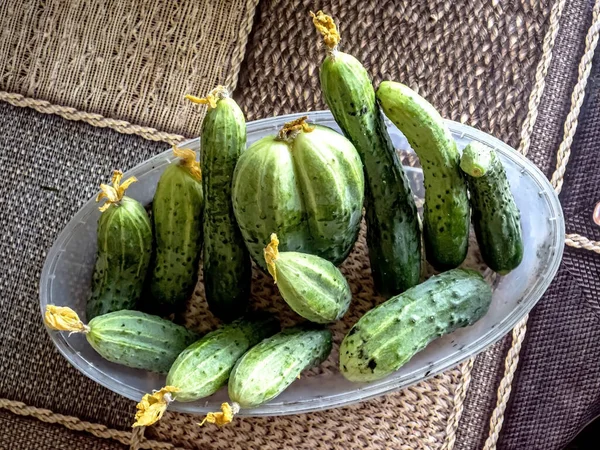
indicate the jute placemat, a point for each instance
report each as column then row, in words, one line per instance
column 129, row 60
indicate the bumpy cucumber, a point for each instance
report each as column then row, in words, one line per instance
column 267, row 369
column 138, row 340
column 496, row 218
column 227, row 265
column 306, row 185
column 177, row 215
column 389, row 335
column 124, row 250
column 393, row 235
column 312, row 286
column 446, row 215
column 204, row 367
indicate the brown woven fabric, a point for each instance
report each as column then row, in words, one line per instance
column 131, row 60
column 24, row 433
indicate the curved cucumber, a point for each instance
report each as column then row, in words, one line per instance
column 393, row 235
column 496, row 218
column 446, row 215
column 138, row 340
column 312, row 286
column 177, row 215
column 204, row 367
column 124, row 250
column 267, row 369
column 227, row 265
column 389, row 335
column 306, row 185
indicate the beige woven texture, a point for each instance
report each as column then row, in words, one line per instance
column 129, row 60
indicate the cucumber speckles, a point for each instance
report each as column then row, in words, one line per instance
column 496, row 218
column 446, row 213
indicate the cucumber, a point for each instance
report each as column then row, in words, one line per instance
column 124, row 249
column 313, row 287
column 306, row 185
column 496, row 218
column 227, row 266
column 393, row 235
column 446, row 217
column 267, row 369
column 130, row 338
column 204, row 367
column 177, row 215
column 389, row 335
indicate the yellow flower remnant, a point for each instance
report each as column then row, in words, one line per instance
column 224, row 417
column 212, row 98
column 114, row 194
column 188, row 160
column 291, row 129
column 62, row 318
column 153, row 406
column 271, row 255
column 326, row 26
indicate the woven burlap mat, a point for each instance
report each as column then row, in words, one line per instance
column 130, row 60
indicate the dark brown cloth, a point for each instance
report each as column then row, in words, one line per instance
column 557, row 389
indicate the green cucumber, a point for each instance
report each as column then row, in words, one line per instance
column 177, row 215
column 306, row 185
column 124, row 250
column 389, row 335
column 204, row 367
column 393, row 235
column 130, row 338
column 496, row 218
column 312, row 286
column 227, row 266
column 267, row 369
column 446, row 217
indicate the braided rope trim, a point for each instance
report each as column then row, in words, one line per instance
column 76, row 424
column 563, row 154
column 93, row 119
column 459, row 402
column 578, row 241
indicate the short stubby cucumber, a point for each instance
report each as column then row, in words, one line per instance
column 393, row 235
column 389, row 335
column 306, row 185
column 312, row 286
column 124, row 250
column 177, row 214
column 267, row 369
column 446, row 218
column 496, row 218
column 204, row 367
column 226, row 262
column 130, row 338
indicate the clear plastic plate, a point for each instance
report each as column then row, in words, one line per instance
column 67, row 272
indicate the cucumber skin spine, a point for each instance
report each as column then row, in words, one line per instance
column 312, row 286
column 446, row 218
column 124, row 251
column 177, row 216
column 496, row 218
column 393, row 235
column 389, row 335
column 204, row 367
column 227, row 266
column 268, row 368
column 138, row 340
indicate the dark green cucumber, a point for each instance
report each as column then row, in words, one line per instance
column 312, row 286
column 496, row 218
column 393, row 235
column 267, row 369
column 446, row 216
column 204, row 367
column 389, row 335
column 138, row 340
column 177, row 214
column 124, row 250
column 227, row 265
column 306, row 185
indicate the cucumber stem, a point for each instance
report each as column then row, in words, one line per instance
column 212, row 98
column 476, row 159
column 62, row 318
column 114, row 194
column 223, row 417
column 152, row 406
column 326, row 26
column 271, row 254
